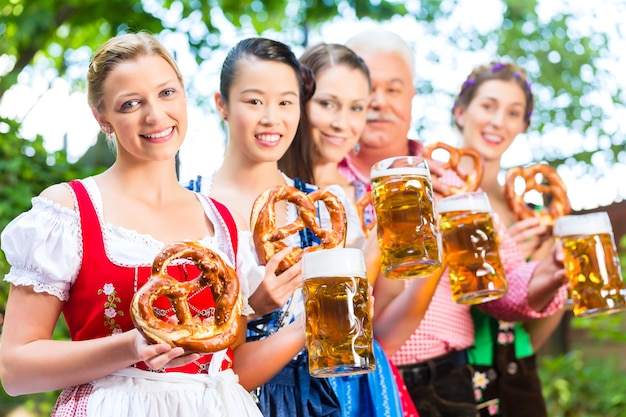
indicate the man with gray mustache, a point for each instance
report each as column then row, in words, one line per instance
column 392, row 69
column 389, row 114
column 433, row 360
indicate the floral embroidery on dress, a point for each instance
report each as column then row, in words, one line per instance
column 480, row 381
column 110, row 308
column 494, row 409
column 506, row 334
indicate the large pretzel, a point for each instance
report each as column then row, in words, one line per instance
column 549, row 184
column 471, row 180
column 268, row 239
column 191, row 333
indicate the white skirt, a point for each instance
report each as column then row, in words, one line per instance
column 133, row 392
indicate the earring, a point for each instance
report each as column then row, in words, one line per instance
column 356, row 149
column 108, row 131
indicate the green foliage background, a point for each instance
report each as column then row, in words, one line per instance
column 27, row 168
column 575, row 386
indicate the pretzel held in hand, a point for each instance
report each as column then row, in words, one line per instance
column 471, row 180
column 552, row 189
column 191, row 333
column 268, row 239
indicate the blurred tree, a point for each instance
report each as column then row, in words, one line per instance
column 50, row 30
column 561, row 57
column 46, row 30
column 568, row 56
column 576, row 88
column 566, row 64
column 27, row 168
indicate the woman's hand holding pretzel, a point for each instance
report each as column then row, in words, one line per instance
column 470, row 179
column 546, row 181
column 269, row 239
column 437, row 171
column 529, row 235
column 275, row 289
column 161, row 355
column 192, row 333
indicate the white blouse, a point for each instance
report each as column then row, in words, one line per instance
column 44, row 246
column 355, row 238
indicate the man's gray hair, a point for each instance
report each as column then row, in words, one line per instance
column 382, row 40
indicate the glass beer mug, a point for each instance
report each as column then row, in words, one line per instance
column 470, row 246
column 403, row 201
column 339, row 331
column 591, row 263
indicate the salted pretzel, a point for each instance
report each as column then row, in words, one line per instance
column 471, row 180
column 191, row 333
column 268, row 239
column 543, row 179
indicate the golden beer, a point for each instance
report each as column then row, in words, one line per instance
column 403, row 201
column 591, row 263
column 339, row 332
column 470, row 245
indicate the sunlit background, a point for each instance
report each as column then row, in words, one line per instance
column 61, row 115
column 574, row 51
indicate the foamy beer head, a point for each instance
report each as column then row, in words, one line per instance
column 403, row 201
column 471, row 248
column 339, row 334
column 592, row 263
column 475, row 201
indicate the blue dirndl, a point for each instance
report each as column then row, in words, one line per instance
column 293, row 392
column 373, row 394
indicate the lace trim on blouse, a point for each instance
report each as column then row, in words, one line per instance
column 112, row 232
column 44, row 245
column 21, row 244
column 33, row 277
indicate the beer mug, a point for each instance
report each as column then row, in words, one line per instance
column 339, row 332
column 591, row 263
column 406, row 223
column 470, row 246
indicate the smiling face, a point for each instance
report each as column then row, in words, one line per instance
column 263, row 110
column 337, row 112
column 144, row 103
column 389, row 113
column 494, row 117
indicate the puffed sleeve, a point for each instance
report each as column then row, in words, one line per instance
column 43, row 247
